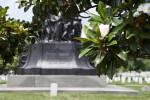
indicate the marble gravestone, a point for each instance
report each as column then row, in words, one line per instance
column 55, row 59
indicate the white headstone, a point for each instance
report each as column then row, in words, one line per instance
column 140, row 80
column 136, row 79
column 107, row 79
column 148, row 80
column 145, row 79
column 118, row 78
column 115, row 79
column 129, row 79
column 123, row 79
column 53, row 91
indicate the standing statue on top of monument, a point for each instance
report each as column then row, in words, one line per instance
column 77, row 26
column 58, row 29
column 67, row 31
column 49, row 27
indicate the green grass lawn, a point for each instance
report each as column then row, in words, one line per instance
column 3, row 82
column 69, row 96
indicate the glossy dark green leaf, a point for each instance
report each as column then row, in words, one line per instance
column 120, row 53
column 130, row 32
column 92, row 24
column 102, row 10
column 83, row 52
column 96, row 17
column 98, row 31
column 133, row 43
column 112, row 43
column 119, row 27
column 114, row 12
column 87, row 44
column 92, row 36
column 115, row 31
column 108, row 21
column 131, row 18
column 145, row 35
column 101, row 68
column 85, row 29
column 81, row 39
column 116, row 21
column 147, row 26
column 26, row 8
column 111, row 70
column 99, row 59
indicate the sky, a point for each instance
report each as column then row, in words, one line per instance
column 16, row 13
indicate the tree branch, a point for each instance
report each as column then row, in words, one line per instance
column 87, row 9
column 84, row 16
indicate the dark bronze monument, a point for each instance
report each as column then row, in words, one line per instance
column 57, row 52
column 55, row 59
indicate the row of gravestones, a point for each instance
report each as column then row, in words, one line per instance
column 3, row 77
column 123, row 79
column 133, row 74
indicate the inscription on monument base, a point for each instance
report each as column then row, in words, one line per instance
column 58, row 56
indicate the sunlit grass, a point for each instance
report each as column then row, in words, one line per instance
column 78, row 96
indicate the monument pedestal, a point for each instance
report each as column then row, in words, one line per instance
column 76, row 81
column 55, row 62
column 54, row 58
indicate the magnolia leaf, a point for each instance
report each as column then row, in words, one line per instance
column 81, row 39
column 92, row 35
column 120, row 53
column 26, row 8
column 96, row 17
column 99, row 59
column 115, row 31
column 133, row 43
column 108, row 21
column 101, row 68
column 119, row 27
column 116, row 21
column 147, row 26
column 93, row 22
column 111, row 35
column 130, row 32
column 115, row 11
column 87, row 44
column 102, row 10
column 85, row 29
column 98, row 31
column 145, row 35
column 111, row 68
column 83, row 52
column 112, row 43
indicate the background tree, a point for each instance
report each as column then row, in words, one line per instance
column 14, row 37
column 4, row 69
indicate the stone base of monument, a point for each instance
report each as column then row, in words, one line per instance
column 109, row 89
column 62, row 81
column 54, row 58
column 66, row 84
